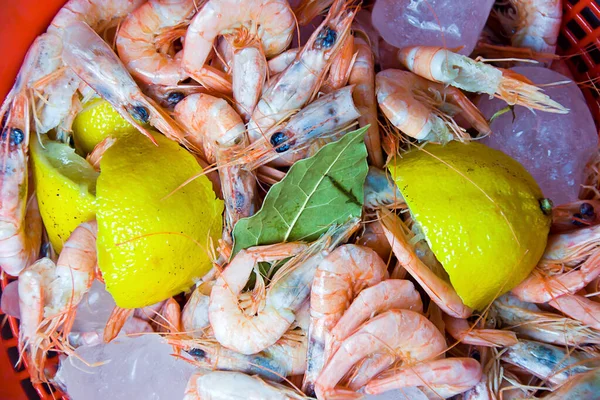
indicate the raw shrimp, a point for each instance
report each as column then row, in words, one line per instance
column 249, row 70
column 576, row 214
column 534, row 24
column 423, row 109
column 443, row 66
column 460, row 330
column 540, row 287
column 194, row 317
column 338, row 279
column 281, row 62
column 20, row 221
column 271, row 20
column 363, row 77
column 368, row 368
column 144, row 39
column 403, row 333
column 374, row 238
column 547, row 362
column 445, row 378
column 57, row 290
column 580, row 308
column 98, row 66
column 222, row 385
column 566, row 248
column 297, row 85
column 215, row 126
column 585, row 386
column 98, row 14
column 381, row 191
column 286, row 294
column 284, row 358
column 527, row 320
column 440, row 291
column 286, row 143
column 386, row 295
column 341, row 66
column 169, row 317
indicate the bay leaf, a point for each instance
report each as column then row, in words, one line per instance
column 316, row 193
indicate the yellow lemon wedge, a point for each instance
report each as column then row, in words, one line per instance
column 153, row 241
column 66, row 188
column 482, row 214
column 96, row 121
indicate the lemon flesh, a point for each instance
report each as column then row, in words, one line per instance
column 480, row 212
column 152, row 246
column 66, row 188
column 96, row 121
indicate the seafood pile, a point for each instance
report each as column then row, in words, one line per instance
column 321, row 282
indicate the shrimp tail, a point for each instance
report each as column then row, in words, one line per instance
column 516, row 89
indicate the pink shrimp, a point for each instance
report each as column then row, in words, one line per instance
column 249, row 70
column 440, row 291
column 341, row 66
column 298, row 84
column 340, row 276
column 362, row 76
column 374, row 238
column 403, row 333
column 578, row 307
column 460, row 330
column 570, row 216
column 540, row 287
column 57, row 290
column 440, row 65
column 445, row 378
column 139, row 36
column 272, row 20
column 424, row 110
column 571, row 247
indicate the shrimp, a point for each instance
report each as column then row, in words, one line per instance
column 20, row 220
column 140, row 35
column 368, row 368
column 383, row 296
column 381, row 191
column 57, row 292
column 570, row 247
column 282, row 61
column 271, row 20
column 443, row 66
column 341, row 66
column 194, row 317
column 424, row 110
column 338, row 279
column 284, row 358
column 547, row 362
column 534, row 24
column 445, row 378
column 585, row 386
column 288, row 290
column 215, row 126
column 98, row 66
column 374, row 238
column 539, row 287
column 362, row 76
column 249, row 72
column 169, row 317
column 297, row 85
column 217, row 385
column 307, row 10
column 403, row 333
column 286, row 143
column 440, row 291
column 460, row 330
column 580, row 308
column 527, row 320
column 570, row 216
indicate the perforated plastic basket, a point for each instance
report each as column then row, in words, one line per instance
column 22, row 20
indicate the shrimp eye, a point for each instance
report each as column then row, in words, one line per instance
column 277, row 139
column 16, row 136
column 587, row 210
column 197, row 353
column 175, row 97
column 326, row 38
column 140, row 113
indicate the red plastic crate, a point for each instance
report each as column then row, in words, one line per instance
column 21, row 21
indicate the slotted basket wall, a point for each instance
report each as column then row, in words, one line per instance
column 21, row 21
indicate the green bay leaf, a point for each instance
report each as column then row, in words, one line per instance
column 316, row 193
